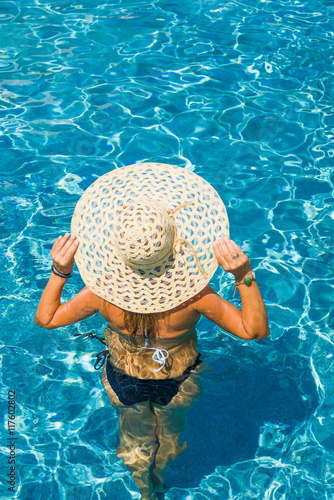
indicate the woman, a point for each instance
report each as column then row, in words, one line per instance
column 147, row 239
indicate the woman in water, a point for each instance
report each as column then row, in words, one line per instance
column 147, row 239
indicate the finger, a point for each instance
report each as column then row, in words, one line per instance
column 57, row 246
column 233, row 248
column 56, row 243
column 222, row 247
column 225, row 258
column 73, row 248
column 226, row 247
column 236, row 250
column 67, row 244
column 69, row 250
column 220, row 256
column 217, row 251
column 60, row 242
column 64, row 263
column 242, row 258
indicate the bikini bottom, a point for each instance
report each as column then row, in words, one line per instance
column 131, row 390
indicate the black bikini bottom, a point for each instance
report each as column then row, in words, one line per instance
column 131, row 390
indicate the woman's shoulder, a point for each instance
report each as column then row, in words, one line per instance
column 205, row 300
column 86, row 295
column 172, row 322
column 204, row 295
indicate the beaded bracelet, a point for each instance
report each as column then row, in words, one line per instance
column 58, row 273
column 246, row 280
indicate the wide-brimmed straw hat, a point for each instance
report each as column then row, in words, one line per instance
column 146, row 234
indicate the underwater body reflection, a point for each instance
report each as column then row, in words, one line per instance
column 245, row 405
column 151, row 411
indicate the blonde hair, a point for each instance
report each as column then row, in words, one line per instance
column 139, row 322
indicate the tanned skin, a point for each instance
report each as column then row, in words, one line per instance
column 248, row 323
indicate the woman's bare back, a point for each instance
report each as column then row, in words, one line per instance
column 169, row 324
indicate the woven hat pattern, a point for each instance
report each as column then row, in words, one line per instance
column 146, row 234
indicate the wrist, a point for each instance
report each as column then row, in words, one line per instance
column 59, row 273
column 246, row 279
column 241, row 273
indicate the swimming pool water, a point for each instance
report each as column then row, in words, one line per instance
column 242, row 93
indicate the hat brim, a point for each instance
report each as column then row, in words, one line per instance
column 200, row 222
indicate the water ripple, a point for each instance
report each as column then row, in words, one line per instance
column 242, row 94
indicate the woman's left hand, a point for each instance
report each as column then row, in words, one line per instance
column 63, row 252
column 231, row 257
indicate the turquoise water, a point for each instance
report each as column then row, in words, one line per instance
column 241, row 93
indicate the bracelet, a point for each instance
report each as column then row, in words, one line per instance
column 246, row 280
column 58, row 273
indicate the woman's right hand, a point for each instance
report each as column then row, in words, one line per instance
column 63, row 252
column 231, row 257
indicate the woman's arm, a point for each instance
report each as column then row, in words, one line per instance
column 50, row 312
column 249, row 323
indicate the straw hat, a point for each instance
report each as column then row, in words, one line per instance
column 146, row 234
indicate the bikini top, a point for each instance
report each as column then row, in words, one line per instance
column 152, row 357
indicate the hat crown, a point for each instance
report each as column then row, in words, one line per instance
column 112, row 253
column 144, row 234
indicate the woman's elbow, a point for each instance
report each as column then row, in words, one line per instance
column 256, row 330
column 258, row 334
column 40, row 323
